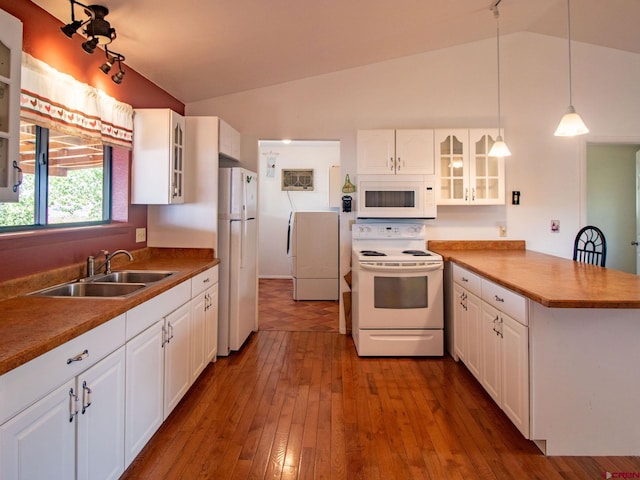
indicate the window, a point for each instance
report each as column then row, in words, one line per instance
column 66, row 181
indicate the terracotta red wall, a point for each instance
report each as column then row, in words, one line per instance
column 43, row 39
column 32, row 252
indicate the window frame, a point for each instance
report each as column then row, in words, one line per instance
column 41, row 189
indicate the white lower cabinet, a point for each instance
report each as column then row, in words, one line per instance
column 204, row 320
column 491, row 337
column 145, row 384
column 85, row 409
column 79, row 427
column 177, row 358
column 468, row 329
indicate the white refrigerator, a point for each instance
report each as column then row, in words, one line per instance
column 313, row 247
column 237, row 250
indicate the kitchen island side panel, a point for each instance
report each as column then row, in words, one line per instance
column 585, row 384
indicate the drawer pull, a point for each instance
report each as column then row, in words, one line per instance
column 78, row 358
column 206, row 280
column 498, row 299
column 465, row 279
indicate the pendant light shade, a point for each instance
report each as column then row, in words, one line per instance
column 499, row 148
column 571, row 123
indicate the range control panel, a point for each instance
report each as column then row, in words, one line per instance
column 372, row 231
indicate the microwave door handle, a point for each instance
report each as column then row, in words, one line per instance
column 404, row 268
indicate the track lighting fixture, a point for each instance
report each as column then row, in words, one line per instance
column 99, row 33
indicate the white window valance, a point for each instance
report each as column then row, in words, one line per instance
column 56, row 100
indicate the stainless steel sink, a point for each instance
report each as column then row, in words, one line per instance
column 90, row 289
column 133, row 276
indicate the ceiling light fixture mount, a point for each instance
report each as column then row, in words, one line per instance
column 99, row 32
column 499, row 148
column 571, row 123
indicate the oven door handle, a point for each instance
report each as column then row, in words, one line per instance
column 400, row 269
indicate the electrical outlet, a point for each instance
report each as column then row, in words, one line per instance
column 141, row 235
column 555, row 226
column 503, row 230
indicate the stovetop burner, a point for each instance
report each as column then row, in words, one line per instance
column 417, row 253
column 372, row 253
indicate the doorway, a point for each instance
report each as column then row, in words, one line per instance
column 293, row 176
column 612, row 199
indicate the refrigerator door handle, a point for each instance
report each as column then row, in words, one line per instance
column 243, row 243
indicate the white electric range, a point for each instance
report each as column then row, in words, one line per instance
column 397, row 291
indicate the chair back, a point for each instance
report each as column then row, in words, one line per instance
column 590, row 246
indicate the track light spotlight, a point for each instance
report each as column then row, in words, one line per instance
column 98, row 32
column 117, row 77
column 71, row 28
column 90, row 45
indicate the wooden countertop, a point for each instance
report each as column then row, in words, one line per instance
column 551, row 281
column 31, row 326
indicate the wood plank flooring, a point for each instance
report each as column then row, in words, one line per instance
column 303, row 405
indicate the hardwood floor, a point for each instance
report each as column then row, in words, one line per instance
column 277, row 310
column 302, row 404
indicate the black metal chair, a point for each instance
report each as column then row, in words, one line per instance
column 590, row 246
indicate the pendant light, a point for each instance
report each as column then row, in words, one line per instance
column 571, row 123
column 499, row 148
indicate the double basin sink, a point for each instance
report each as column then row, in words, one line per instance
column 107, row 285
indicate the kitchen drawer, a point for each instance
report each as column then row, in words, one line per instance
column 204, row 280
column 146, row 314
column 470, row 281
column 505, row 300
column 31, row 381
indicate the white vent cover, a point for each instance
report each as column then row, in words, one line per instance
column 297, row 179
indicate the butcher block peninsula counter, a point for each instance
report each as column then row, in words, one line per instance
column 582, row 327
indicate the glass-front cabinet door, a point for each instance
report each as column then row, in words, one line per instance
column 452, row 166
column 486, row 173
column 10, row 60
column 177, row 182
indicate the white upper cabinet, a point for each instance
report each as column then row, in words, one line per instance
column 10, row 59
column 229, row 141
column 466, row 174
column 157, row 175
column 407, row 152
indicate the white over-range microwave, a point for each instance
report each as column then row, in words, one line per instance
column 396, row 196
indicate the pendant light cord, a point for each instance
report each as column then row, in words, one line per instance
column 569, row 38
column 496, row 14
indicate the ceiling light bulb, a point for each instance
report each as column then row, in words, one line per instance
column 499, row 148
column 571, row 124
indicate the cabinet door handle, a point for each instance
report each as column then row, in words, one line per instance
column 392, row 164
column 78, row 358
column 466, row 194
column 164, row 336
column 634, row 243
column 86, row 397
column 170, row 332
column 398, row 164
column 73, row 402
column 473, row 194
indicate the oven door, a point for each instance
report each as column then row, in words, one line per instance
column 401, row 295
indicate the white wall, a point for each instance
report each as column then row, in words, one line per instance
column 456, row 87
column 275, row 205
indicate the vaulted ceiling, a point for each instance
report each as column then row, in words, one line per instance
column 198, row 49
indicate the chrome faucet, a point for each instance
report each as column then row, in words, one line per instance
column 92, row 269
